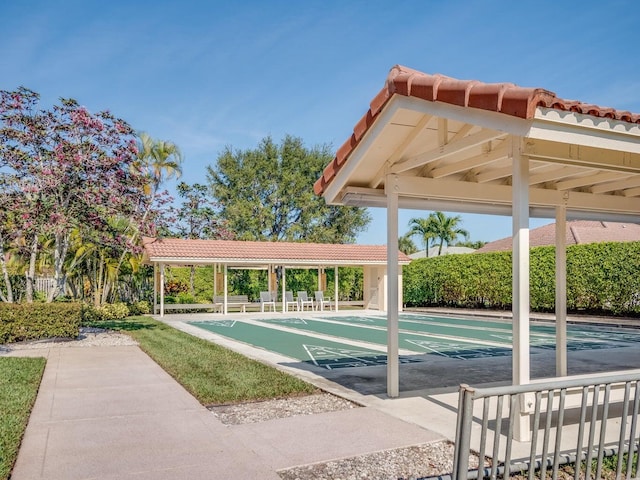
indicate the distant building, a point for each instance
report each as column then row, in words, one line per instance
column 433, row 252
column 578, row 232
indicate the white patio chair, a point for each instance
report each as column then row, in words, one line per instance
column 321, row 301
column 303, row 300
column 267, row 299
column 288, row 300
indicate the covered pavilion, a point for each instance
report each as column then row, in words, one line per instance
column 432, row 142
column 230, row 254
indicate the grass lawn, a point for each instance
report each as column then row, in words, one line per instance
column 19, row 382
column 211, row 373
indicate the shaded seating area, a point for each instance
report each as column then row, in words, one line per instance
column 274, row 259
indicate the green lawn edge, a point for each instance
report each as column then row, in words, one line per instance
column 211, row 373
column 19, row 383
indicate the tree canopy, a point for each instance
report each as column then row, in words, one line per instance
column 267, row 193
column 70, row 183
column 197, row 216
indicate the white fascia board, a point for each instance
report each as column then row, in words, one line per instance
column 501, row 195
column 578, row 129
column 577, row 206
column 375, row 198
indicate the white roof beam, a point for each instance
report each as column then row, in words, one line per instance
column 619, row 185
column 439, row 153
column 443, row 131
column 501, row 194
column 502, row 172
column 555, row 174
column 367, row 197
column 581, row 155
column 632, row 192
column 460, row 134
column 493, row 174
column 473, row 162
column 588, row 180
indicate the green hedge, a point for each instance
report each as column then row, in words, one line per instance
column 31, row 321
column 601, row 277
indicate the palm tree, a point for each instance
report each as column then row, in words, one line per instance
column 424, row 229
column 406, row 245
column 446, row 229
column 161, row 158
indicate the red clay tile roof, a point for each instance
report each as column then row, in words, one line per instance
column 578, row 232
column 266, row 252
column 506, row 98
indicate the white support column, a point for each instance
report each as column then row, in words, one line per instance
column 215, row 282
column 393, row 363
column 155, row 287
column 161, row 290
column 284, row 286
column 225, row 308
column 561, row 291
column 521, row 368
column 335, row 287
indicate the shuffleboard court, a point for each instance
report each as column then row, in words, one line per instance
column 474, row 334
column 420, row 343
column 487, row 333
column 327, row 340
column 317, row 351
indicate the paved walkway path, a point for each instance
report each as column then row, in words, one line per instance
column 111, row 412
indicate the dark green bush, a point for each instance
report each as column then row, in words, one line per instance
column 601, row 277
column 31, row 321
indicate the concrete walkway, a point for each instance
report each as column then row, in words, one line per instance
column 111, row 412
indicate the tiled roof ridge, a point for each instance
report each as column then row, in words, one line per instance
column 506, row 98
column 255, row 242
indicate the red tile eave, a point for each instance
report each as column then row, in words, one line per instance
column 505, row 98
column 201, row 251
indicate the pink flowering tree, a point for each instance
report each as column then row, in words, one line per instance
column 67, row 173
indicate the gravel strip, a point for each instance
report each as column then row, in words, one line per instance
column 254, row 412
column 413, row 462
column 88, row 337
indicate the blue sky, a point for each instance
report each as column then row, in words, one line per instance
column 209, row 74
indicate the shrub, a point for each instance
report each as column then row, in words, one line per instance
column 139, row 308
column 32, row 321
column 601, row 277
column 109, row 311
column 115, row 311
